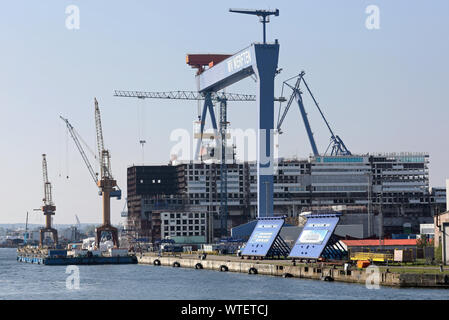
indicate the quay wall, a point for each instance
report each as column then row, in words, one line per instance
column 326, row 273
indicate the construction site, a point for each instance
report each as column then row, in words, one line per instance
column 301, row 209
column 383, row 195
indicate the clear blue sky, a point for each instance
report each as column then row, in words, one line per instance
column 382, row 90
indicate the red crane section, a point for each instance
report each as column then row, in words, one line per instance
column 200, row 61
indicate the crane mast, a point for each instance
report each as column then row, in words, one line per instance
column 105, row 159
column 47, row 185
column 48, row 208
column 107, row 184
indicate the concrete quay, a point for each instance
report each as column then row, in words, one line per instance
column 286, row 268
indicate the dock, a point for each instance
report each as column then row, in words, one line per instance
column 60, row 258
column 290, row 269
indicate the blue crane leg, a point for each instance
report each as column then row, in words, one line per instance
column 261, row 60
column 208, row 105
column 202, row 122
column 266, row 66
column 306, row 121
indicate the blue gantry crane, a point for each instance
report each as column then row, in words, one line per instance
column 336, row 144
column 260, row 60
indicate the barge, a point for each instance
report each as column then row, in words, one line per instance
column 74, row 257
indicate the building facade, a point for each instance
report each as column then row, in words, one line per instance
column 391, row 190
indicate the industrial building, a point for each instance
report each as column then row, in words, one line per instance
column 391, row 190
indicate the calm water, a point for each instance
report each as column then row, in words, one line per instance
column 27, row 281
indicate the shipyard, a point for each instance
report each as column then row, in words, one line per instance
column 236, row 198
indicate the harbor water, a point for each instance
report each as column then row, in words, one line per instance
column 29, row 281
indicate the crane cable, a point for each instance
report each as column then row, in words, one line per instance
column 85, row 144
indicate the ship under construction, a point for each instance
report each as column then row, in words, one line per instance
column 182, row 200
column 201, row 200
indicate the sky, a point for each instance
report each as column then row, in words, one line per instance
column 382, row 90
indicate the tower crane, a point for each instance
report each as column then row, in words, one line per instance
column 49, row 207
column 107, row 185
column 336, row 143
column 222, row 99
column 199, row 61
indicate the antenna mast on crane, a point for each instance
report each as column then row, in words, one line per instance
column 264, row 17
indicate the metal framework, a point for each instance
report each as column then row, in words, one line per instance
column 336, row 143
column 279, row 248
column 183, row 95
column 334, row 250
column 75, row 137
column 222, row 98
column 107, row 185
column 297, row 94
column 265, row 239
column 259, row 60
column 49, row 207
column 223, row 169
column 264, row 17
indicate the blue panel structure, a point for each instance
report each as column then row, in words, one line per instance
column 316, row 239
column 265, row 239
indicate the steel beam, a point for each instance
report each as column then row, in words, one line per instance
column 208, row 106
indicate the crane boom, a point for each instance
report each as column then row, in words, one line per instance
column 264, row 16
column 80, row 149
column 48, row 201
column 99, row 131
column 338, row 146
column 297, row 94
column 78, row 223
column 104, row 157
column 182, row 95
